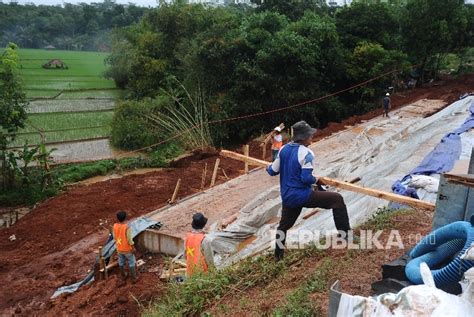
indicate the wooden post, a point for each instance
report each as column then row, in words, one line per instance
column 214, row 173
column 203, row 179
column 264, row 151
column 343, row 185
column 102, row 269
column 175, row 193
column 246, row 153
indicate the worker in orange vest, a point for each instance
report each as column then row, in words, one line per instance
column 195, row 258
column 125, row 246
column 277, row 142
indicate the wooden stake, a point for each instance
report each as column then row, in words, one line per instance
column 225, row 174
column 175, row 193
column 246, row 153
column 203, row 179
column 264, row 151
column 214, row 173
column 102, row 268
column 343, row 185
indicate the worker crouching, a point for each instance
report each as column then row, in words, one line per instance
column 125, row 246
column 195, row 256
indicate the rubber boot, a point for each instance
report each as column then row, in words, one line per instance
column 123, row 274
column 279, row 253
column 133, row 273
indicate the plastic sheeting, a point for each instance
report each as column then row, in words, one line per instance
column 138, row 225
column 419, row 300
column 438, row 161
column 378, row 151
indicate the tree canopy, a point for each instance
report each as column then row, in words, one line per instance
column 72, row 27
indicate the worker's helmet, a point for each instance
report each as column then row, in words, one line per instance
column 278, row 129
column 387, row 94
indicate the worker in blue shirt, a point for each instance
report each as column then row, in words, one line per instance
column 294, row 164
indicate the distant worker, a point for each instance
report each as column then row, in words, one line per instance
column 195, row 251
column 125, row 246
column 294, row 164
column 387, row 104
column 277, row 142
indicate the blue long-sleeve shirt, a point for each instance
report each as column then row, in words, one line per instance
column 294, row 164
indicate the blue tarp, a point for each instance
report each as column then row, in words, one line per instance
column 441, row 159
column 138, row 225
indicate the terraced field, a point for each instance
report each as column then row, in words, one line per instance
column 66, row 105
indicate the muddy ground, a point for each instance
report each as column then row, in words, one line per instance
column 55, row 243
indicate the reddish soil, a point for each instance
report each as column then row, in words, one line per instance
column 55, row 242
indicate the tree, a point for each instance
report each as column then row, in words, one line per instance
column 293, row 9
column 369, row 60
column 372, row 22
column 12, row 102
column 433, row 28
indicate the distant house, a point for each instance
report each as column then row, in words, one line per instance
column 55, row 64
column 49, row 47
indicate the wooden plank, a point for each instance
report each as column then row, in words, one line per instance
column 176, row 190
column 463, row 179
column 214, row 173
column 343, row 185
column 246, row 153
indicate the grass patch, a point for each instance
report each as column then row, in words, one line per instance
column 202, row 292
column 383, row 218
column 298, row 302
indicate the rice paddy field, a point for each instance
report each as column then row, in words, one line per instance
column 70, row 104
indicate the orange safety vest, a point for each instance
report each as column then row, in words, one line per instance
column 277, row 145
column 120, row 235
column 194, row 258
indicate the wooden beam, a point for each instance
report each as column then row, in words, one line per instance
column 176, row 190
column 214, row 173
column 378, row 193
column 250, row 160
column 343, row 185
column 246, row 153
column 463, row 179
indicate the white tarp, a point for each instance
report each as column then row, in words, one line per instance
column 417, row 300
column 379, row 151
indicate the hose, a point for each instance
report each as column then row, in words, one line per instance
column 438, row 247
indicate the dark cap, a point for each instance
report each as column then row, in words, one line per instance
column 302, row 131
column 199, row 221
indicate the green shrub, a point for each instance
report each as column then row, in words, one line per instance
column 77, row 172
column 131, row 127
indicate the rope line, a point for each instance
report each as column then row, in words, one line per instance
column 304, row 103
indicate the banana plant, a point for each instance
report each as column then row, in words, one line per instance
column 44, row 160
